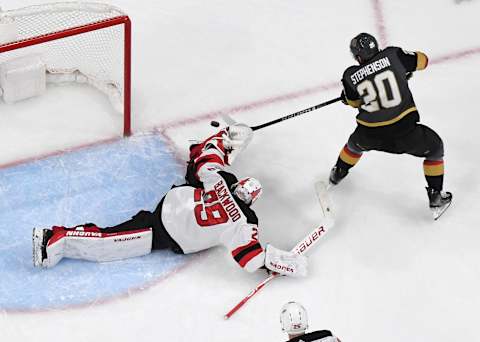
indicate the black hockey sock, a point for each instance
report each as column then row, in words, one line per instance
column 435, row 182
column 434, row 170
column 347, row 158
column 343, row 165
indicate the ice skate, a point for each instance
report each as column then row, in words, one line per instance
column 439, row 201
column 337, row 174
column 40, row 238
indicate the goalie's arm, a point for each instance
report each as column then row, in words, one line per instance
column 249, row 254
column 217, row 152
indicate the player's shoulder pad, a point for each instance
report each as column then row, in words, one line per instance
column 229, row 178
column 412, row 60
column 392, row 48
column 313, row 336
column 402, row 51
column 349, row 71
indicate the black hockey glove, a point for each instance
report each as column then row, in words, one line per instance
column 409, row 75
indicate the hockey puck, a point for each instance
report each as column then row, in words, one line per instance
column 215, row 123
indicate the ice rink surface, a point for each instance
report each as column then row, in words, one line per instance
column 386, row 272
column 70, row 189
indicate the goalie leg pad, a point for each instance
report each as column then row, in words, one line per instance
column 54, row 248
column 39, row 241
column 90, row 243
column 285, row 263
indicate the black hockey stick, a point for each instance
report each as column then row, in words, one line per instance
column 290, row 116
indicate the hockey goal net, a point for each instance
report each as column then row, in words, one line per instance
column 75, row 42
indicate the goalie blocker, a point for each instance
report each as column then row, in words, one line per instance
column 213, row 208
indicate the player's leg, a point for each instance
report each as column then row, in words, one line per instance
column 135, row 237
column 348, row 157
column 160, row 240
column 161, row 237
column 89, row 242
column 140, row 220
column 426, row 143
column 51, row 245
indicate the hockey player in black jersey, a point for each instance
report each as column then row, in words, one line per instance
column 388, row 120
column 294, row 322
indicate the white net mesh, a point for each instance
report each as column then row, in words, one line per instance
column 98, row 55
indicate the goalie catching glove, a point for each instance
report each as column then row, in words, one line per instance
column 285, row 263
column 237, row 139
column 238, row 136
column 228, row 143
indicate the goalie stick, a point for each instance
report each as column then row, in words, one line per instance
column 301, row 248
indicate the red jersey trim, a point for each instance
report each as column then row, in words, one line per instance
column 245, row 253
column 209, row 158
column 250, row 256
column 236, row 251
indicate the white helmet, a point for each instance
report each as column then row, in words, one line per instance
column 248, row 190
column 293, row 318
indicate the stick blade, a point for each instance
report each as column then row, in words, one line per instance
column 321, row 189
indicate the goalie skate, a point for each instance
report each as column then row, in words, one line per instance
column 39, row 242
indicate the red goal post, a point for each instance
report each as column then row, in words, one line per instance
column 88, row 39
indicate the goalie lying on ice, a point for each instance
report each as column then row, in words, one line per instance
column 212, row 208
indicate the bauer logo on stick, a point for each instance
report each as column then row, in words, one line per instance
column 310, row 239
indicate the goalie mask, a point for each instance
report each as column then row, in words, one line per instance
column 248, row 190
column 293, row 318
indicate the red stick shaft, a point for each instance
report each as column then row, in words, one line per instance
column 250, row 295
column 304, row 245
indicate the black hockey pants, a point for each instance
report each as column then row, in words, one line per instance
column 421, row 141
column 161, row 238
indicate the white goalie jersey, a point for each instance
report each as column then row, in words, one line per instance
column 199, row 215
column 200, row 218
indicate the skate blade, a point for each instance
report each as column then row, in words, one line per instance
column 37, row 240
column 437, row 212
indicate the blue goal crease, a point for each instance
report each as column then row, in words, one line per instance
column 105, row 184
